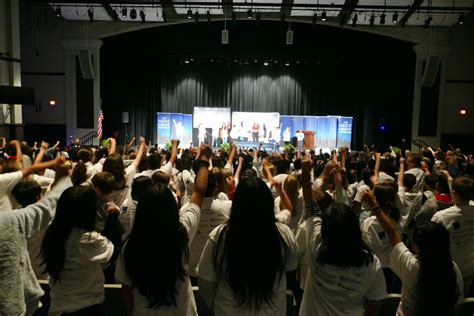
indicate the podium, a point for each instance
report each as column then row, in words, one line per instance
column 308, row 140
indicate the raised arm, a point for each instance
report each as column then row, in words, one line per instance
column 387, row 224
column 129, row 145
column 113, row 146
column 230, row 160
column 239, row 168
column 266, row 169
column 39, row 157
column 377, row 166
column 42, row 165
column 402, row 172
column 284, row 199
column 174, row 151
column 343, row 158
column 306, row 169
column 141, row 150
column 202, row 176
column 19, row 155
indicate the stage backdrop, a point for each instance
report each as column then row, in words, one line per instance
column 209, row 123
column 255, row 126
column 174, row 126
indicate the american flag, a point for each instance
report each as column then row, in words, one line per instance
column 99, row 125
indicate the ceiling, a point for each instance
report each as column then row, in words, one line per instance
column 342, row 12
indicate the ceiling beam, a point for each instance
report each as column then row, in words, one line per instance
column 113, row 14
column 415, row 6
column 346, row 11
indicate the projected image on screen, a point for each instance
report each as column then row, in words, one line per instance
column 256, row 127
column 211, row 125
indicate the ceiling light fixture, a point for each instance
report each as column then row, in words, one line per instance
column 124, row 13
column 190, row 14
column 382, row 19
column 58, row 12
column 323, row 16
column 395, row 18
column 372, row 20
column 142, row 15
column 249, row 13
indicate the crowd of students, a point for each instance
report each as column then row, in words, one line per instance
column 339, row 230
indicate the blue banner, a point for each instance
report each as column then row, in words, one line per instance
column 163, row 126
column 344, row 132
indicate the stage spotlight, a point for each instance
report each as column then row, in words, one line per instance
column 255, row 61
column 124, row 13
column 90, row 13
column 462, row 111
column 428, row 21
column 133, row 14
column 382, row 19
column 395, row 18
column 190, row 14
column 354, row 20
column 186, row 61
column 208, row 15
column 249, row 13
column 196, row 17
column 287, row 63
column 372, row 20
column 265, row 63
column 323, row 16
column 58, row 12
column 142, row 15
column 461, row 19
column 258, row 18
column 315, row 19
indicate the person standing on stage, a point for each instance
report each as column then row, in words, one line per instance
column 255, row 130
column 300, row 137
column 202, row 133
column 225, row 132
column 287, row 135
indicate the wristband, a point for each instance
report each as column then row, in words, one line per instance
column 375, row 209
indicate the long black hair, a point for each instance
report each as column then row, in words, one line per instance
column 154, row 272
column 250, row 253
column 76, row 209
column 342, row 239
column 386, row 195
column 436, row 289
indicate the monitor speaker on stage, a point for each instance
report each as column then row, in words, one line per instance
column 87, row 66
column 125, row 118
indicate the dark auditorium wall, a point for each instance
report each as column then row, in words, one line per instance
column 333, row 71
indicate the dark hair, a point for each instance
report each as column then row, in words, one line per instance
column 297, row 164
column 79, row 173
column 104, row 181
column 161, row 177
column 153, row 161
column 386, row 196
column 442, row 185
column 282, row 166
column 154, row 273
column 464, row 187
column 436, row 289
column 27, row 192
column 430, row 181
column 409, row 180
column 139, row 185
column 219, row 179
column 114, row 165
column 250, row 246
column 342, row 239
column 84, row 154
column 76, row 209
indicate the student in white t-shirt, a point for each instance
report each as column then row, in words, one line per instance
column 155, row 280
column 242, row 268
column 373, row 233
column 74, row 253
column 345, row 277
column 459, row 221
column 409, row 200
column 431, row 282
column 123, row 176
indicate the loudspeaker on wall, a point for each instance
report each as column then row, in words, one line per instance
column 125, row 118
column 430, row 71
column 87, row 66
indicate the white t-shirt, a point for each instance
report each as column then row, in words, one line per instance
column 384, row 178
column 225, row 302
column 375, row 237
column 7, row 182
column 298, row 209
column 81, row 282
column 186, row 305
column 406, row 267
column 214, row 212
column 335, row 290
column 420, row 178
column 127, row 215
column 409, row 204
column 459, row 221
column 167, row 168
column 119, row 196
column 188, row 180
